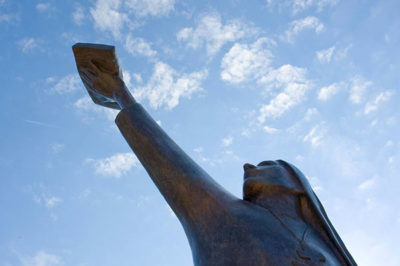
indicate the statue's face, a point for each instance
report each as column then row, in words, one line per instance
column 266, row 179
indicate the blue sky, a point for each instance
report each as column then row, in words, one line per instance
column 315, row 83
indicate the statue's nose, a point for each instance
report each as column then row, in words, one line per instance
column 247, row 166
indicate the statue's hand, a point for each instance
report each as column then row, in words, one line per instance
column 100, row 80
column 100, row 72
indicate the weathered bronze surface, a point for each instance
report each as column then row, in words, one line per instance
column 279, row 221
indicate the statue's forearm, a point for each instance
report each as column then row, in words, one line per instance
column 187, row 188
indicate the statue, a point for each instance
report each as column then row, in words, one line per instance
column 279, row 221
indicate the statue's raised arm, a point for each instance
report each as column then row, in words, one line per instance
column 280, row 221
column 187, row 188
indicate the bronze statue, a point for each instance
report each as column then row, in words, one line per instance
column 279, row 221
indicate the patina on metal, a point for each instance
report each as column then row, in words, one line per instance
column 279, row 221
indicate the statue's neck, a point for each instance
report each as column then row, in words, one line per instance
column 286, row 206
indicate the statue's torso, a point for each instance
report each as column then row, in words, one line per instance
column 239, row 237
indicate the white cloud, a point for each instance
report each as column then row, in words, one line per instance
column 107, row 16
column 292, row 80
column 43, row 198
column 358, row 89
column 300, row 5
column 67, row 84
column 211, row 32
column 226, row 142
column 166, row 86
column 325, row 93
column 244, row 62
column 42, row 259
column 137, row 77
column 8, row 17
column 51, row 202
column 198, row 149
column 324, row 56
column 367, row 184
column 57, row 147
column 86, row 106
column 138, row 46
column 41, row 7
column 297, row 26
column 112, row 15
column 142, row 8
column 342, row 53
column 28, row 44
column 374, row 104
column 332, row 53
column 78, row 15
column 116, row 165
column 270, row 130
column 310, row 113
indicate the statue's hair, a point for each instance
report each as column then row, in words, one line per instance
column 319, row 212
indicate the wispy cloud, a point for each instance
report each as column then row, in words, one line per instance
column 41, row 258
column 139, row 46
column 270, row 130
column 5, row 15
column 166, row 86
column 78, row 15
column 41, row 196
column 332, row 53
column 300, row 5
column 108, row 17
column 244, row 62
column 42, row 7
column 315, row 135
column 367, row 184
column 57, row 147
column 375, row 103
column 226, row 142
column 325, row 93
column 51, row 202
column 68, row 84
column 324, row 56
column 115, row 166
column 358, row 88
column 28, row 44
column 113, row 15
column 87, row 107
column 156, row 8
column 297, row 26
column 213, row 34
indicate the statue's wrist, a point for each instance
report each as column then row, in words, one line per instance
column 122, row 96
